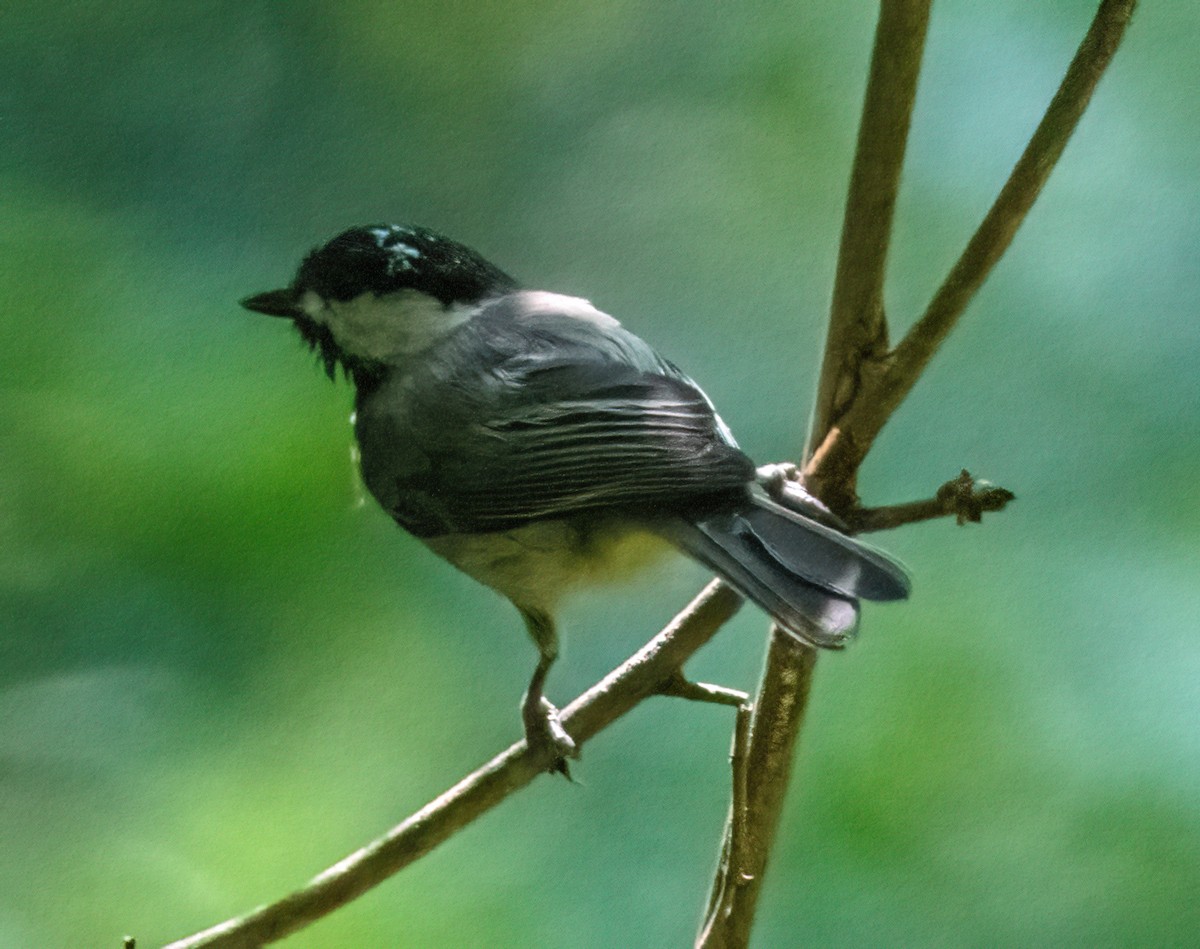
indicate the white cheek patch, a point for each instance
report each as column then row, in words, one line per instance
column 313, row 307
column 390, row 327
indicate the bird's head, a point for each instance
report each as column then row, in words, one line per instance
column 375, row 295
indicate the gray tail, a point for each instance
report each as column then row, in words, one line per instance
column 807, row 576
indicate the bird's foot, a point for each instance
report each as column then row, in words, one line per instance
column 784, row 485
column 545, row 735
column 775, row 478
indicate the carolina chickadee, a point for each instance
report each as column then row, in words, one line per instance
column 535, row 443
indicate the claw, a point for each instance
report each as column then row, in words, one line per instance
column 545, row 735
column 774, row 478
column 783, row 484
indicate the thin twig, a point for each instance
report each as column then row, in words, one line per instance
column 734, row 846
column 964, row 498
column 680, row 687
column 634, row 680
column 739, row 763
column 846, row 444
column 774, row 730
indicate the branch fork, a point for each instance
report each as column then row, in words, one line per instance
column 863, row 381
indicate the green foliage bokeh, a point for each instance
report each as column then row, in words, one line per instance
column 220, row 671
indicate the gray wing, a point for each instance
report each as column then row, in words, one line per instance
column 528, row 413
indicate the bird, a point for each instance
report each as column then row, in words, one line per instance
column 532, row 441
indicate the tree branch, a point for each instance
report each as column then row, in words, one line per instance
column 861, row 385
column 775, row 725
column 734, row 844
column 964, row 497
column 639, row 677
column 847, row 442
column 858, row 332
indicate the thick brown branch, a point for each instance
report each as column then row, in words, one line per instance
column 637, row 678
column 857, row 335
column 964, row 498
column 857, row 327
column 882, row 392
column 860, row 387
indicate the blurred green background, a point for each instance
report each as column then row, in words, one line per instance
column 220, row 671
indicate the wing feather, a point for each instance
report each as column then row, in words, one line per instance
column 522, row 416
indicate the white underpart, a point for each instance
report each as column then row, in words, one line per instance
column 386, row 328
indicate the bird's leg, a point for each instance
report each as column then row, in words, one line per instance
column 543, row 730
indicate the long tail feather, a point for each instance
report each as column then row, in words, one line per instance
column 812, row 614
column 822, row 555
column 806, row 575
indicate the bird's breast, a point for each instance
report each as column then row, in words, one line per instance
column 536, row 564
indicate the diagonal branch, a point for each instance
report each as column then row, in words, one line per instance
column 847, row 443
column 639, row 677
column 861, row 386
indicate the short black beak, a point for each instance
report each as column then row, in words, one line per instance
column 274, row 303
